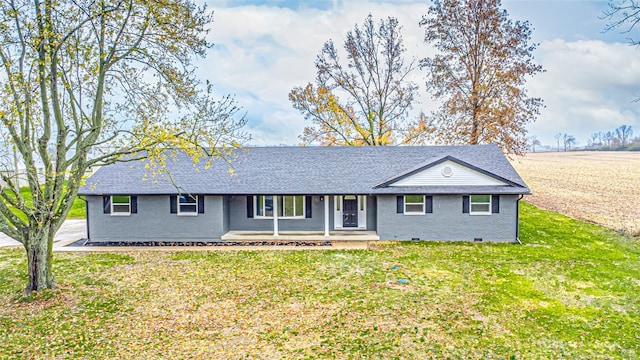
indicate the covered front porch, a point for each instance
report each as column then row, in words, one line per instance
column 292, row 217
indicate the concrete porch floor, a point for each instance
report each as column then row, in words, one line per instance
column 300, row 236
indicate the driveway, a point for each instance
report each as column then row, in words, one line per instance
column 71, row 230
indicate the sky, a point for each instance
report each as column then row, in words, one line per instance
column 263, row 49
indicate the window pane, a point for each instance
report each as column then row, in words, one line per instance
column 480, row 198
column 121, row 208
column 259, row 205
column 120, row 199
column 188, row 208
column 338, row 200
column 417, row 208
column 288, row 205
column 362, row 201
column 187, row 204
column 414, row 199
column 480, row 208
column 187, row 199
column 268, row 206
column 299, row 206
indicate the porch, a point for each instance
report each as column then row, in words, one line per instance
column 301, row 236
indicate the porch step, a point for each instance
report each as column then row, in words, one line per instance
column 300, row 236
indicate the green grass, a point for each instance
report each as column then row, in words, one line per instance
column 571, row 291
column 77, row 209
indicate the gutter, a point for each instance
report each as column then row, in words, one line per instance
column 517, row 219
column 86, row 212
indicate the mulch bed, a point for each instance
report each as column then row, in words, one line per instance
column 83, row 242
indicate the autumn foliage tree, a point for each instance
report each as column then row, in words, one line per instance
column 479, row 74
column 88, row 83
column 363, row 100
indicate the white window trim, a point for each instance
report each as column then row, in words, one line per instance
column 187, row 213
column 337, row 212
column 120, row 213
column 481, row 213
column 424, row 205
column 280, row 217
column 362, row 213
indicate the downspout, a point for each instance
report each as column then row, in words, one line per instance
column 518, row 219
column 86, row 212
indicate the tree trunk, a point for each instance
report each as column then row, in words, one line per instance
column 39, row 247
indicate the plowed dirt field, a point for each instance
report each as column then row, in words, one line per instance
column 602, row 187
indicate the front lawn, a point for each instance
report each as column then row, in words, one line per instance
column 77, row 210
column 570, row 292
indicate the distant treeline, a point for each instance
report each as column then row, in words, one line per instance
column 620, row 139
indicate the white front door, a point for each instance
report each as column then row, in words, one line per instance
column 350, row 212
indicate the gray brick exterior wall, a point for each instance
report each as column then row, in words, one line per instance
column 447, row 222
column 154, row 222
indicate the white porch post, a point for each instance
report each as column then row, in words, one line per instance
column 326, row 215
column 274, row 206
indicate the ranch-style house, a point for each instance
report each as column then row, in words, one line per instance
column 461, row 193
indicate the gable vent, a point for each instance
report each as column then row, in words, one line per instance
column 446, row 171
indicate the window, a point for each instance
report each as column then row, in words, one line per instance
column 414, row 204
column 289, row 207
column 120, row 205
column 480, row 204
column 264, row 206
column 187, row 205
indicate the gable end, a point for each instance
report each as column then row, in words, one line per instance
column 452, row 172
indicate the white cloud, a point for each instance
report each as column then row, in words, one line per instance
column 262, row 52
column 588, row 87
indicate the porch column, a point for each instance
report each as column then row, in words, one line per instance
column 274, row 207
column 326, row 215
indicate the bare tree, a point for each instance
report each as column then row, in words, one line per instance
column 607, row 139
column 595, row 140
column 483, row 63
column 97, row 77
column 366, row 100
column 558, row 137
column 624, row 133
column 568, row 140
column 623, row 15
column 534, row 142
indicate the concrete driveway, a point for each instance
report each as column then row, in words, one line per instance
column 71, row 230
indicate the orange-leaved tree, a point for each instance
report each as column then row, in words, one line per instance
column 479, row 74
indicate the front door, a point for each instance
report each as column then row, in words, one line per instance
column 350, row 212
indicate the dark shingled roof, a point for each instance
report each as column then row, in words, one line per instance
column 307, row 170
